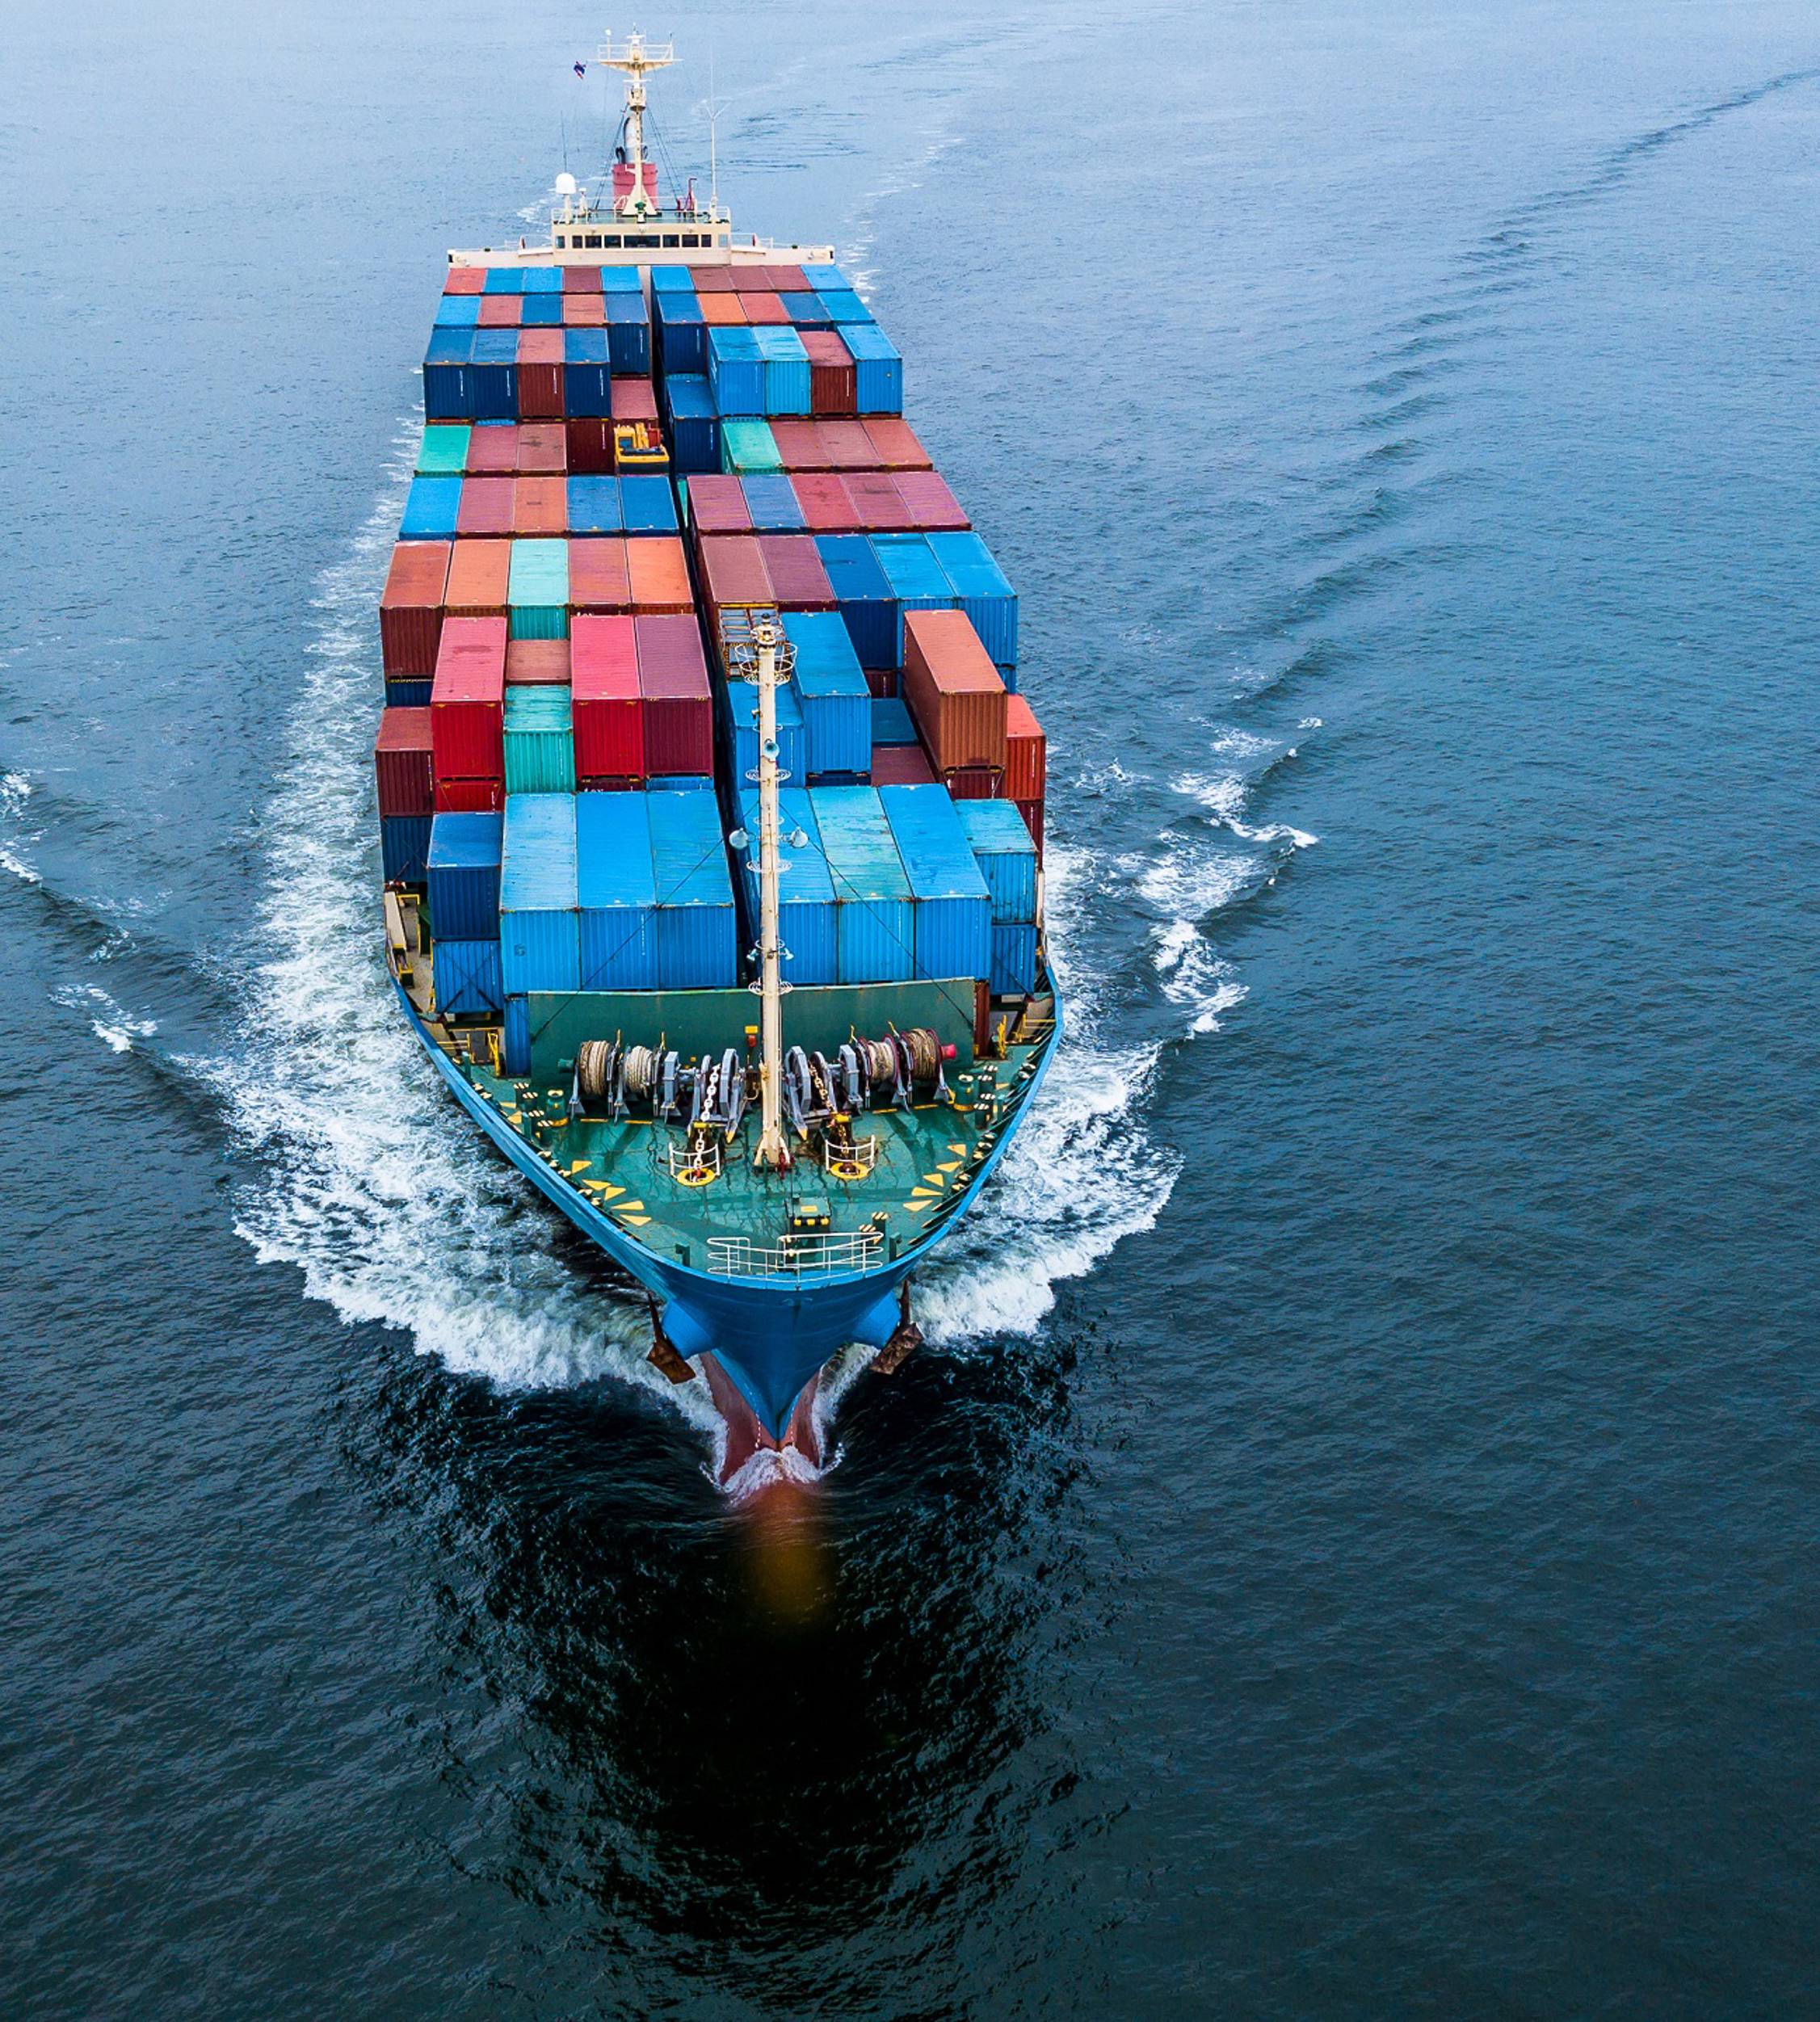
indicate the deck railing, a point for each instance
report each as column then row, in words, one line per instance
column 793, row 1256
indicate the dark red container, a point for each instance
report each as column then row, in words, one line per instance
column 974, row 783
column 678, row 703
column 590, row 442
column 762, row 309
column 479, row 572
column 832, row 380
column 470, row 797
column 634, row 400
column 845, row 445
column 786, row 280
column 881, row 683
column 895, row 444
column 499, row 311
column 581, row 280
column 486, row 507
column 401, row 763
column 543, row 450
column 658, row 572
column 826, row 508
column 932, row 507
column 717, row 505
column 732, row 572
column 711, row 280
column 583, row 312
column 607, row 704
column 901, row 765
column 411, row 613
column 1032, row 814
column 493, row 449
column 537, row 663
column 797, row 578
column 467, row 703
column 598, row 577
column 878, row 502
column 465, row 280
column 540, row 375
column 1026, row 752
column 540, row 507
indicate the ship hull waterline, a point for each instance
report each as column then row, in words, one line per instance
column 771, row 1338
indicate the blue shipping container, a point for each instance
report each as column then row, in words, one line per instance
column 587, row 374
column 982, row 591
column 648, row 504
column 866, row 607
column 467, row 974
column 464, row 869
column 807, row 312
column 431, row 505
column 540, row 280
column 837, row 709
column 786, row 369
column 772, row 503
column 617, row 890
column 953, row 907
column 875, row 928
column 619, row 280
column 917, row 580
column 493, row 373
column 404, row 843
column 540, row 312
column 1014, row 961
column 408, row 694
column 843, row 306
column 792, row 743
column 878, row 369
column 822, row 274
column 505, row 280
column 540, row 942
column 696, row 937
column 517, row 1037
column 594, row 505
column 736, row 370
column 458, row 312
column 1007, row 857
column 806, row 915
column 680, row 335
column 672, row 280
column 891, row 721
column 695, row 429
column 628, row 331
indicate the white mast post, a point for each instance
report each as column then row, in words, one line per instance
column 773, row 1153
column 635, row 58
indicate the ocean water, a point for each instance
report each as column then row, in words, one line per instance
column 1348, row 1549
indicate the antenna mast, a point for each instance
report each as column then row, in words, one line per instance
column 634, row 57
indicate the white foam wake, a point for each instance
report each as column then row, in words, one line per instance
column 116, row 1029
column 374, row 1186
column 16, row 791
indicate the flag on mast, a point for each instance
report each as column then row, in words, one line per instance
column 581, row 69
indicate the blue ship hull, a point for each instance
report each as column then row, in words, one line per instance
column 770, row 1338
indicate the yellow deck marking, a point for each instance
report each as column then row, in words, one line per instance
column 916, row 1207
column 581, row 1165
column 935, row 1179
column 639, row 1221
column 960, row 1149
column 926, row 1194
column 952, row 1166
column 605, row 1187
column 629, row 1207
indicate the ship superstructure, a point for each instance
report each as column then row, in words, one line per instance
column 710, row 817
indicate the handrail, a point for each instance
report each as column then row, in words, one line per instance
column 794, row 1257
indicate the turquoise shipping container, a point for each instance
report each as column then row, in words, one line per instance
column 539, row 741
column 537, row 590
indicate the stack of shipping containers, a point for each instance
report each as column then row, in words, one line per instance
column 602, row 478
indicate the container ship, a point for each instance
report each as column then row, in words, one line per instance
column 711, row 815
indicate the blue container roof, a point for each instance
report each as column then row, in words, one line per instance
column 995, row 828
column 853, row 568
column 666, row 279
column 856, row 839
column 495, row 347
column 585, row 347
column 689, row 396
column 688, row 848
column 937, row 856
column 806, row 882
column 462, row 842
column 969, row 564
column 613, row 851
column 594, row 505
column 868, row 343
column 892, row 723
column 537, row 870
column 910, row 566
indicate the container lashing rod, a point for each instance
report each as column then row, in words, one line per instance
column 773, row 1153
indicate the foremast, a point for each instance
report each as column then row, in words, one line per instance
column 633, row 196
column 774, row 655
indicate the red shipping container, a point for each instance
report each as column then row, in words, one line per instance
column 499, row 311
column 1026, row 752
column 833, row 383
column 468, row 702
column 877, row 501
column 933, row 508
column 794, row 566
column 881, row 683
column 401, row 763
column 581, row 280
column 787, row 280
column 486, row 507
column 537, row 663
column 598, row 576
column 543, row 449
column 539, row 506
column 583, row 312
column 589, row 441
column 679, row 702
column 478, row 573
column 721, row 309
column 465, row 280
column 895, row 444
column 799, row 443
column 411, row 613
column 607, row 708
column 762, row 309
column 901, row 765
column 493, row 449
column 1032, row 814
column 540, row 375
column 711, row 280
column 717, row 505
column 822, row 495
column 634, row 400
column 470, row 797
column 974, row 783
column 657, row 572
column 733, row 573
column 956, row 695
column 845, row 445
